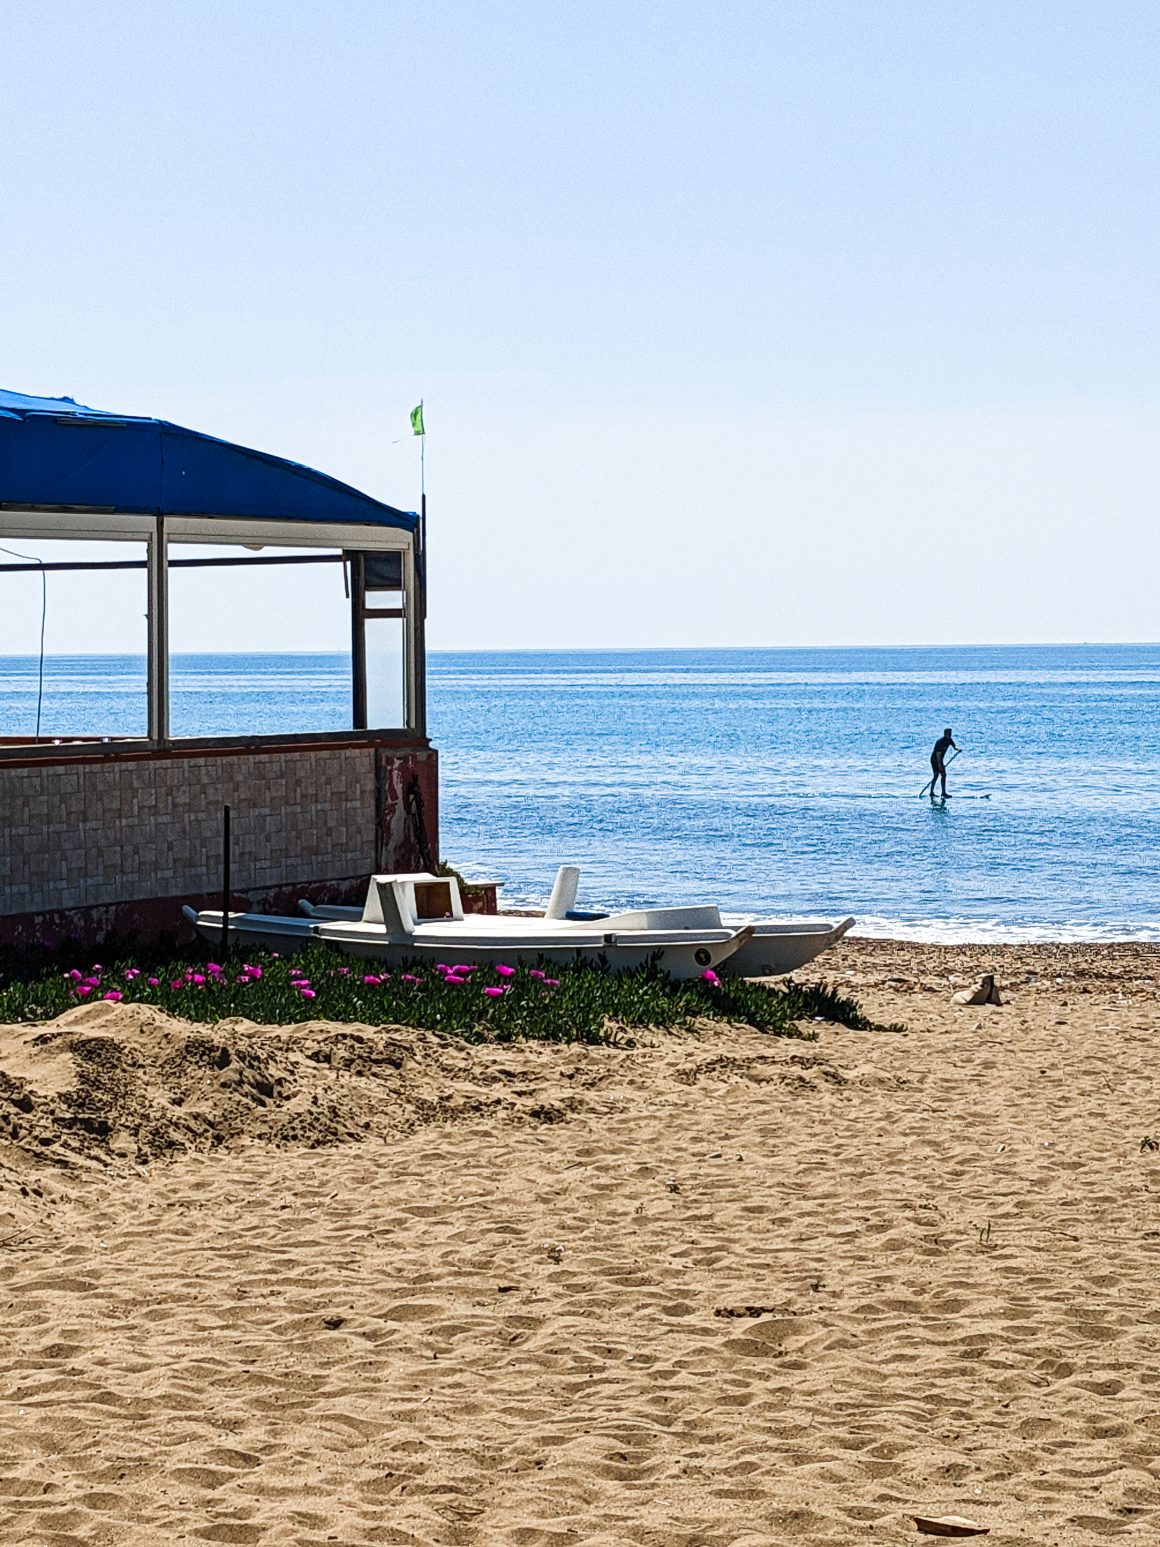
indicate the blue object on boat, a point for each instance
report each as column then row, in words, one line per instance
column 56, row 454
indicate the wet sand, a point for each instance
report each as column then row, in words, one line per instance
column 716, row 1289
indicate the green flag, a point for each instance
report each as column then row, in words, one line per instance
column 417, row 420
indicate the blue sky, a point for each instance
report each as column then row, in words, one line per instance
column 753, row 324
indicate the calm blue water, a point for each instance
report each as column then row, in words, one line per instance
column 779, row 782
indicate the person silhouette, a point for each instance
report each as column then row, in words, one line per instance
column 938, row 761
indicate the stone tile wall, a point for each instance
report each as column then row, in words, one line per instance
column 85, row 834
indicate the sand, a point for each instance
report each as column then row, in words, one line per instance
column 717, row 1289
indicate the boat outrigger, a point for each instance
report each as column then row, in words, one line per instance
column 419, row 917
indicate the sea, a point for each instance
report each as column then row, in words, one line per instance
column 781, row 783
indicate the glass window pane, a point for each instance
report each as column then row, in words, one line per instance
column 258, row 650
column 385, row 683
column 95, row 642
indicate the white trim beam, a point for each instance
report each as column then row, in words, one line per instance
column 223, row 531
column 219, row 531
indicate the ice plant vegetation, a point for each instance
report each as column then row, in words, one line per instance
column 500, row 1001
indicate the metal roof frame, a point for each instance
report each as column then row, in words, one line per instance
column 162, row 468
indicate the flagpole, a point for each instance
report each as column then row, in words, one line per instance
column 423, row 481
column 421, row 577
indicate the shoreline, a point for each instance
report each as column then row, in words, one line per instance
column 900, row 932
column 971, row 934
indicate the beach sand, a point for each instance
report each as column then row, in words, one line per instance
column 716, row 1289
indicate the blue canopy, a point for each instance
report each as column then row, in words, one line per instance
column 58, row 455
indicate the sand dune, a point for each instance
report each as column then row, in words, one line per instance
column 384, row 1288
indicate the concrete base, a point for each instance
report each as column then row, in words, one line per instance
column 114, row 839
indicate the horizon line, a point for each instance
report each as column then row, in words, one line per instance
column 1072, row 644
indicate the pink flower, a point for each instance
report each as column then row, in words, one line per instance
column 113, row 994
column 344, row 972
column 453, row 982
column 81, row 990
column 495, row 993
column 154, row 982
column 551, row 982
column 709, row 976
column 369, row 977
column 535, row 972
column 409, row 977
column 464, row 967
column 442, row 967
column 178, row 983
column 76, row 975
column 198, row 978
column 92, row 982
column 255, row 972
column 131, row 973
column 308, row 993
column 212, row 967
column 505, row 971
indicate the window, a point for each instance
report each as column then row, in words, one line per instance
column 89, row 605
column 382, row 580
column 259, row 635
column 259, row 640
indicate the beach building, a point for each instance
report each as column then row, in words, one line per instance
column 113, row 830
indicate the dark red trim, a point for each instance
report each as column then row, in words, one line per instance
column 28, row 753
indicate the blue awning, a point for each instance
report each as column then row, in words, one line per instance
column 58, row 455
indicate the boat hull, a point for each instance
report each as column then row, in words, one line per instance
column 682, row 954
column 776, row 949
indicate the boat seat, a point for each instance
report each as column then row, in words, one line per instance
column 399, row 902
column 563, row 892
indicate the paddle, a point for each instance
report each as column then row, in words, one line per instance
column 929, row 785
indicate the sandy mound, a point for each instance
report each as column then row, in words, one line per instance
column 108, row 1082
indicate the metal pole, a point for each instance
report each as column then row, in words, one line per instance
column 225, row 942
column 418, row 606
column 358, row 642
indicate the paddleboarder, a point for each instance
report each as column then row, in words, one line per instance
column 938, row 761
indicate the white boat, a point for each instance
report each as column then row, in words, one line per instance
column 419, row 917
column 772, row 949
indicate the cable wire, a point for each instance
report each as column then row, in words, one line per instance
column 32, row 559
